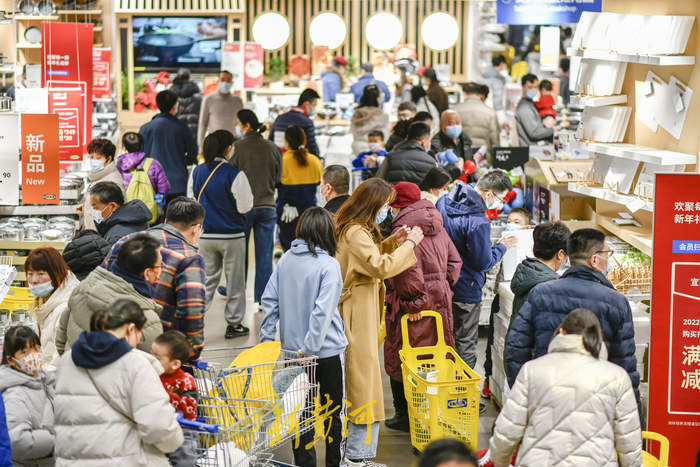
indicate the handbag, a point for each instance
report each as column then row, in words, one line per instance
column 114, row 407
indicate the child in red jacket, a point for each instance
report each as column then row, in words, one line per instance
column 545, row 104
column 172, row 349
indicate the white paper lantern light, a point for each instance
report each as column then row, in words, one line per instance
column 383, row 31
column 439, row 31
column 271, row 30
column 328, row 29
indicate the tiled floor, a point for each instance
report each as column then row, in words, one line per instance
column 394, row 446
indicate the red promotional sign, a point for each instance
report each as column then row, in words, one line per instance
column 40, row 162
column 67, row 65
column 253, row 63
column 101, row 73
column 674, row 362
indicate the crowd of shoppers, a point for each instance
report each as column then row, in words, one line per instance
column 120, row 315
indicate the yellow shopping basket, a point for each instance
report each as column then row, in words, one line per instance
column 18, row 298
column 441, row 390
column 651, row 461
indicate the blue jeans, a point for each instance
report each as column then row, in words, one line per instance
column 262, row 222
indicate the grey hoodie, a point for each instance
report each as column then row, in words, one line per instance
column 29, row 410
column 497, row 84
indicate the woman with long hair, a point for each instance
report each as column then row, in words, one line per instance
column 368, row 117
column 570, row 404
column 52, row 283
column 365, row 262
column 224, row 191
column 111, row 408
column 301, row 175
column 261, row 161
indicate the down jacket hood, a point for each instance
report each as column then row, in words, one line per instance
column 85, row 253
column 528, row 274
column 130, row 160
column 422, row 214
column 97, row 349
column 9, row 378
column 185, row 88
column 463, row 200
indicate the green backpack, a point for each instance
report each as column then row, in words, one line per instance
column 140, row 187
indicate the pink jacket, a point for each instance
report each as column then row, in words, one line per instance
column 133, row 160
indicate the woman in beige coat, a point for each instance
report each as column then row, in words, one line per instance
column 570, row 407
column 365, row 261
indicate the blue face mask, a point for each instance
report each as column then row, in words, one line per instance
column 96, row 165
column 381, row 217
column 453, row 131
column 312, row 114
column 97, row 216
column 41, row 290
column 513, row 227
column 531, row 94
column 239, row 133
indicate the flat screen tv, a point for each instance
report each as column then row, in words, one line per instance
column 172, row 42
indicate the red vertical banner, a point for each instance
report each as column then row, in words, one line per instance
column 101, row 73
column 253, row 65
column 67, row 65
column 674, row 361
column 40, row 159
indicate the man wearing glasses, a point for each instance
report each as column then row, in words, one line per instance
column 584, row 285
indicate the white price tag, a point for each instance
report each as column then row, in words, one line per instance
column 636, row 205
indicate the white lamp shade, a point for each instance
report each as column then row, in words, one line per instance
column 271, row 30
column 328, row 29
column 439, row 31
column 383, row 31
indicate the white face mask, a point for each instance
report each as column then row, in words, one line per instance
column 97, row 165
column 224, row 87
column 375, row 147
column 513, row 227
column 496, row 204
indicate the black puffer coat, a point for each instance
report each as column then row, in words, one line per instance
column 189, row 103
column 85, row 253
column 408, row 162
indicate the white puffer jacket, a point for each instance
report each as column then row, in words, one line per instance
column 568, row 408
column 90, row 433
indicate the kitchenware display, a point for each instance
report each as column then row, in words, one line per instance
column 46, row 8
column 12, row 233
column 5, row 104
column 33, row 35
column 32, row 232
column 63, row 220
column 26, row 7
column 53, row 235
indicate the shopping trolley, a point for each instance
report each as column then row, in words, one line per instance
column 356, row 178
column 441, row 390
column 255, row 407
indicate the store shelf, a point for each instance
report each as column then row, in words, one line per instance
column 79, row 12
column 595, row 101
column 35, row 18
column 659, row 60
column 638, row 153
column 27, row 245
column 27, row 45
column 48, row 210
column 607, row 195
column 97, row 29
column 636, row 236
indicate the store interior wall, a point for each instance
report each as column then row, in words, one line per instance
column 356, row 13
column 636, row 74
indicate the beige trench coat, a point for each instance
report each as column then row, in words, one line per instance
column 364, row 265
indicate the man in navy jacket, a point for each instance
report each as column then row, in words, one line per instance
column 584, row 285
column 463, row 214
column 302, row 116
column 166, row 140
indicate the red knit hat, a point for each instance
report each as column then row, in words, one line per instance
column 340, row 60
column 407, row 193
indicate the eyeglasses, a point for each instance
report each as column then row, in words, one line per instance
column 498, row 197
column 607, row 253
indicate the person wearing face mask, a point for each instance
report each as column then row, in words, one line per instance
column 224, row 192
column 302, row 116
column 496, row 76
column 436, row 94
column 134, row 165
column 113, row 216
column 28, row 393
column 102, row 169
column 406, row 112
column 132, row 276
column 261, row 160
column 583, row 285
column 409, row 161
column 424, row 105
column 463, row 214
column 111, row 408
column 219, row 109
column 180, row 289
column 479, row 121
column 435, row 184
column 335, row 185
column 368, row 117
column 452, row 146
column 365, row 262
column 52, row 283
column 332, row 80
column 528, row 120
